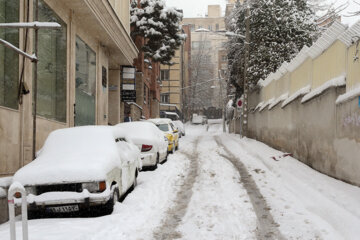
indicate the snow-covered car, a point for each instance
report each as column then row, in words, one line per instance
column 149, row 139
column 180, row 126
column 170, row 131
column 80, row 169
column 197, row 119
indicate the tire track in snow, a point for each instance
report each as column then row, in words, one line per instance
column 175, row 214
column 266, row 228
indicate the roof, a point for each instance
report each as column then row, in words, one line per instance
column 160, row 120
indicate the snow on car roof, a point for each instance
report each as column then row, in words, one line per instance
column 140, row 132
column 73, row 155
column 160, row 120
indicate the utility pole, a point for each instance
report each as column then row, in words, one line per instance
column 246, row 65
column 35, row 80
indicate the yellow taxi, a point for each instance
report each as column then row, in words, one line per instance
column 171, row 132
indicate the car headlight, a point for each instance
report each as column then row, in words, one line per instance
column 30, row 190
column 94, row 186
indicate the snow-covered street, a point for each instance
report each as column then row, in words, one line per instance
column 218, row 186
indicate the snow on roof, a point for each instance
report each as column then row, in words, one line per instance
column 335, row 82
column 297, row 94
column 171, row 113
column 348, row 35
column 160, row 120
column 348, row 95
column 278, row 100
column 140, row 132
column 202, row 30
column 327, row 39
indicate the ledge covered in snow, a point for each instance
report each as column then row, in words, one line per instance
column 335, row 82
column 349, row 95
column 258, row 106
column 266, row 104
column 278, row 100
column 297, row 94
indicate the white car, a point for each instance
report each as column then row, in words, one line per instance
column 80, row 169
column 197, row 119
column 180, row 126
column 149, row 139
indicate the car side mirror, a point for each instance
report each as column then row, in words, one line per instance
column 176, row 131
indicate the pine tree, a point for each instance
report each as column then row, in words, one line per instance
column 160, row 26
column 279, row 30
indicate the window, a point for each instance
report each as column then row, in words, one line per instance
column 210, row 27
column 224, row 58
column 217, row 27
column 9, row 59
column 165, row 98
column 192, row 27
column 164, row 75
column 51, row 92
column 85, row 84
column 163, row 127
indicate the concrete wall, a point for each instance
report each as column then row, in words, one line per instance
column 319, row 133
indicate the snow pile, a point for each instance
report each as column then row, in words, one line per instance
column 349, row 95
column 278, row 100
column 75, row 155
column 335, row 82
column 5, row 182
column 297, row 94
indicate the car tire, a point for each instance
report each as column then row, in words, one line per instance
column 109, row 206
column 177, row 147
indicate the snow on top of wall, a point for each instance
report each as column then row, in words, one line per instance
column 2, row 193
column 349, row 95
column 269, row 102
column 335, row 82
column 297, row 94
column 258, row 106
column 299, row 59
column 327, row 39
column 348, row 36
column 278, row 100
column 269, row 79
column 5, row 182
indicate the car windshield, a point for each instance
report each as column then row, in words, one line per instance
column 163, row 127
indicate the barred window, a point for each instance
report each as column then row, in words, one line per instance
column 51, row 95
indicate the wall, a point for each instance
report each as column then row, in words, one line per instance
column 322, row 131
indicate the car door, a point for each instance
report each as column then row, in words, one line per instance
column 125, row 155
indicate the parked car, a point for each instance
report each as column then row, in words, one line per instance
column 170, row 131
column 197, row 119
column 80, row 169
column 150, row 141
column 180, row 126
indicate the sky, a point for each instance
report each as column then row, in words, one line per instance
column 195, row 8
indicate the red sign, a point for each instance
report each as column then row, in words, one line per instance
column 239, row 103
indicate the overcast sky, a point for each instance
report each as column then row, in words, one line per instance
column 194, row 8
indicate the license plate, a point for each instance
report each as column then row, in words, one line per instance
column 63, row 209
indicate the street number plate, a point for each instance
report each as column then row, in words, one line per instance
column 63, row 209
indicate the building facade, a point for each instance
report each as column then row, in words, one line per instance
column 175, row 79
column 77, row 64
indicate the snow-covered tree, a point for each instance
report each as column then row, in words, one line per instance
column 160, row 26
column 279, row 29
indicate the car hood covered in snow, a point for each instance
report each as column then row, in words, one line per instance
column 141, row 132
column 73, row 155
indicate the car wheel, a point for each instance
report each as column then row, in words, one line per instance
column 109, row 206
column 177, row 147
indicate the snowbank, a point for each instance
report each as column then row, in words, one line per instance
column 335, row 82
column 2, row 193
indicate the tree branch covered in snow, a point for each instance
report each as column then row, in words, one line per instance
column 279, row 29
column 160, row 26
